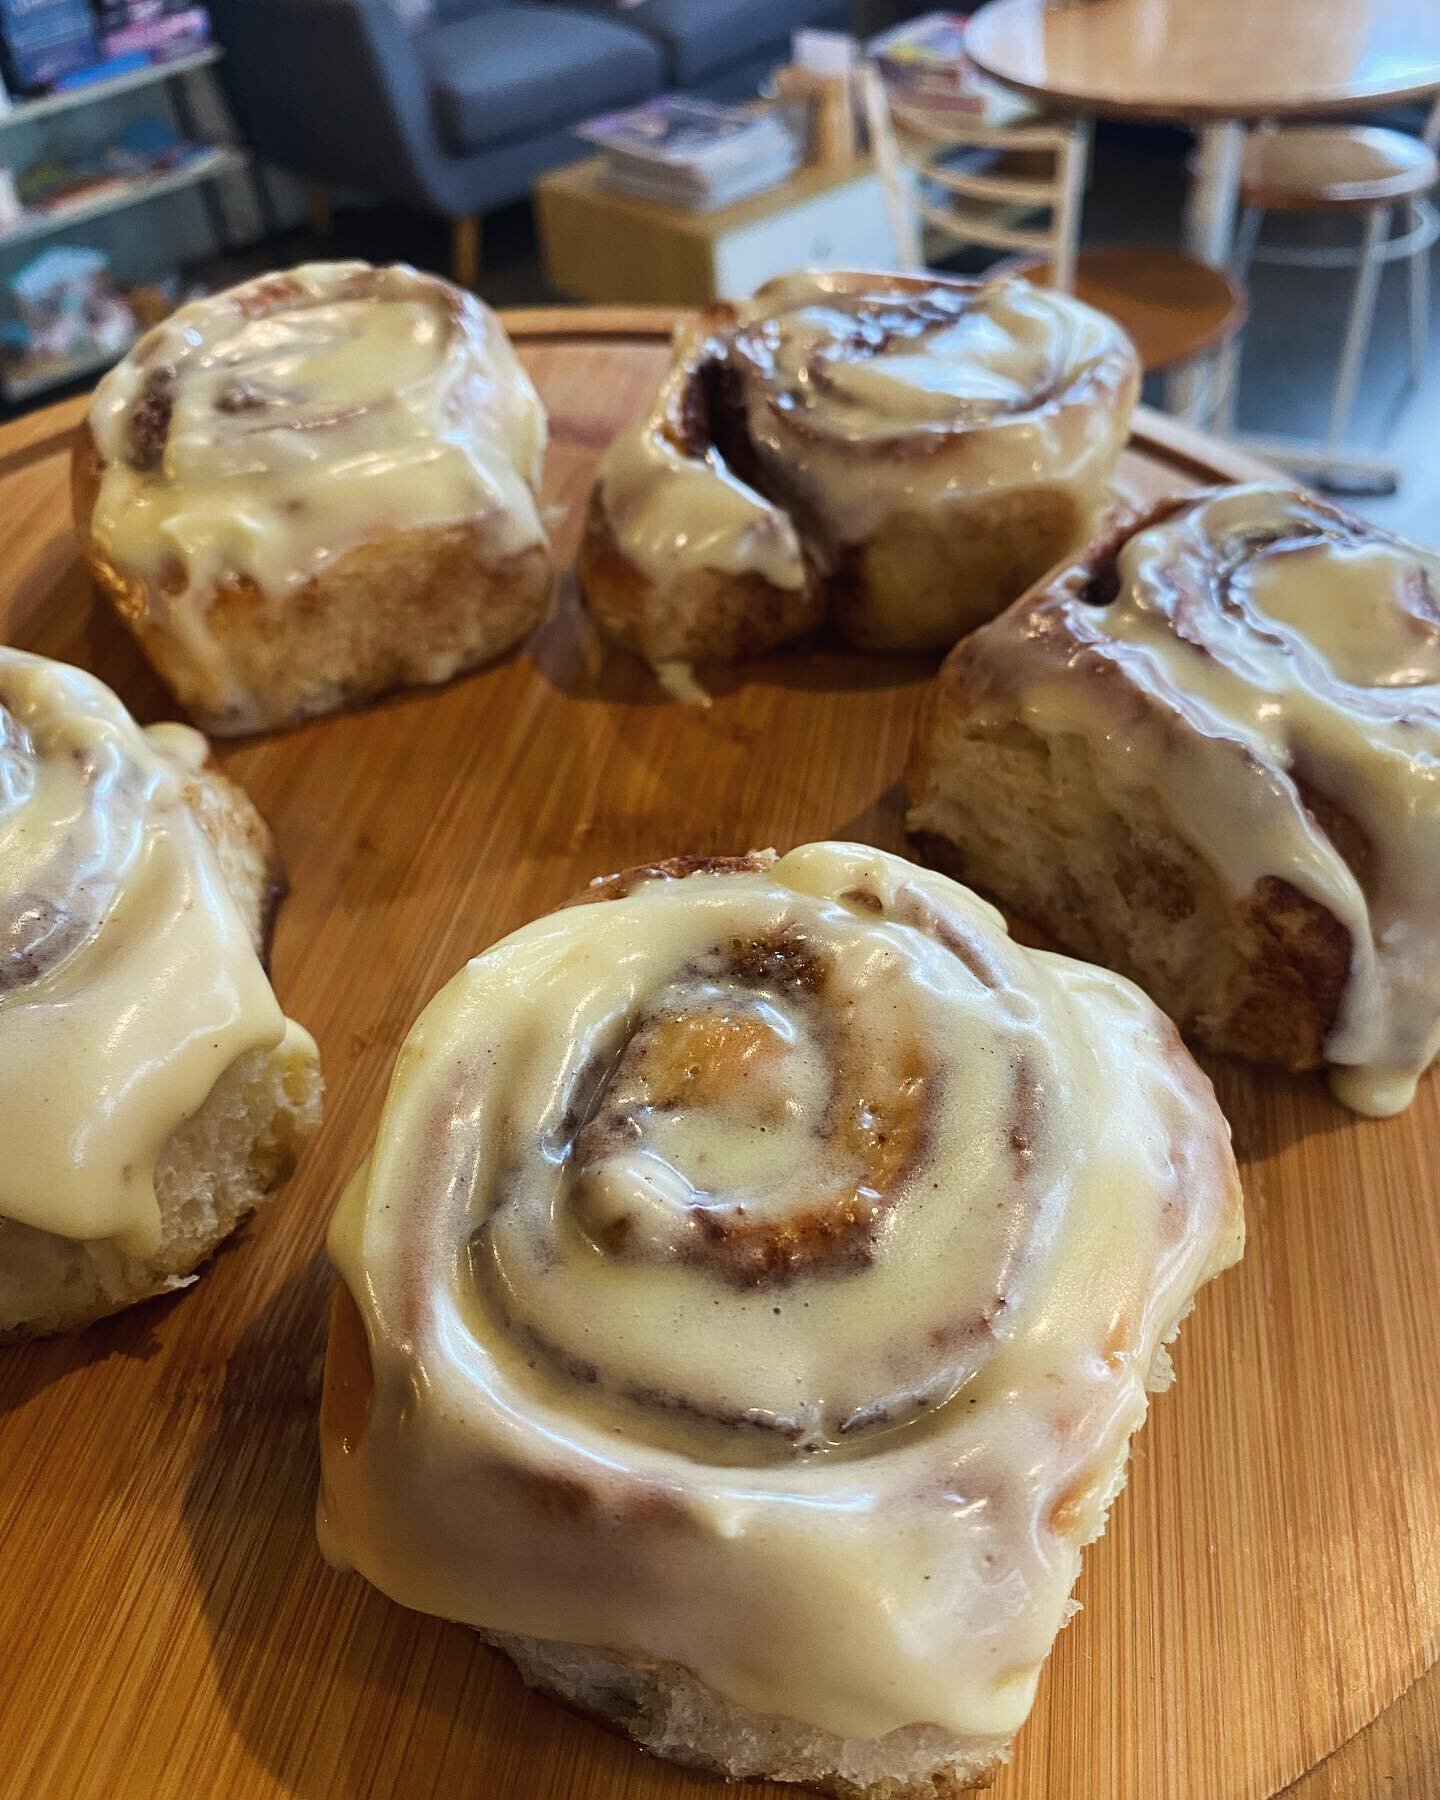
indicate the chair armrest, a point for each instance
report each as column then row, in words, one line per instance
column 332, row 89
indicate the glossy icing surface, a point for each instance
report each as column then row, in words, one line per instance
column 1300, row 648
column 128, row 980
column 763, row 1270
column 260, row 434
column 868, row 396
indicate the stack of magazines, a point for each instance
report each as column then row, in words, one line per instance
column 923, row 63
column 692, row 153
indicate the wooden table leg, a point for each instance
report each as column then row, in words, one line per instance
column 322, row 216
column 465, row 251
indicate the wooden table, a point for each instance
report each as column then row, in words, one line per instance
column 1211, row 64
column 1270, row 1581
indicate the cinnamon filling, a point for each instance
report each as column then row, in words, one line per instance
column 149, row 423
column 761, row 1265
column 830, row 406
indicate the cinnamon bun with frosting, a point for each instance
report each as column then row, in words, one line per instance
column 1207, row 754
column 315, row 486
column 748, row 1302
column 152, row 1093
column 898, row 455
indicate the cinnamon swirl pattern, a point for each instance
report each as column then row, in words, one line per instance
column 899, row 455
column 315, row 485
column 758, row 1274
column 1216, row 743
column 129, row 982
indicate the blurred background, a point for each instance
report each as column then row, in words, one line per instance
column 1247, row 187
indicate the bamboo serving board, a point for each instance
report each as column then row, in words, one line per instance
column 1270, row 1581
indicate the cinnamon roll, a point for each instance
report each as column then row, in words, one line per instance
column 898, row 455
column 748, row 1302
column 1206, row 754
column 152, row 1093
column 315, row 486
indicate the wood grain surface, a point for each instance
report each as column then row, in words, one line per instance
column 1270, row 1582
column 1219, row 59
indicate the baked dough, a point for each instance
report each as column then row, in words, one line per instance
column 1205, row 754
column 316, row 486
column 152, row 1093
column 897, row 455
column 748, row 1301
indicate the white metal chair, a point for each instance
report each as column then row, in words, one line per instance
column 935, row 172
column 1357, row 171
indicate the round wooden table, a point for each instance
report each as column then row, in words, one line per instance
column 1213, row 65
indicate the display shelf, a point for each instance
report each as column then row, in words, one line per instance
column 15, row 388
column 219, row 159
column 23, row 112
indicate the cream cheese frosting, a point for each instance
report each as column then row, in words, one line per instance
column 1299, row 649
column 128, row 980
column 258, row 435
column 761, row 1269
column 870, row 396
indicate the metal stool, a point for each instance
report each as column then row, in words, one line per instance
column 1371, row 173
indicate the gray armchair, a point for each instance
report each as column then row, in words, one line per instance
column 459, row 111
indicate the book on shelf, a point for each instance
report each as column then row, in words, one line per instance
column 694, row 154
column 43, row 40
column 50, row 46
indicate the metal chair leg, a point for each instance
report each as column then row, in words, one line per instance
column 1419, row 299
column 1246, row 239
column 1228, row 358
column 1227, row 378
column 1357, row 332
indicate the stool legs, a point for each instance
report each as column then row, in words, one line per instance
column 1245, row 240
column 1357, row 332
column 1419, row 297
column 1227, row 371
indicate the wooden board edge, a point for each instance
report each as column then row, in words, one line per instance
column 47, row 430
column 1182, row 447
column 656, row 323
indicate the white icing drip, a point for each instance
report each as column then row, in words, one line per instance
column 1320, row 659
column 864, row 399
column 854, row 1496
column 674, row 512
column 1019, row 383
column 128, row 981
column 673, row 508
column 678, row 681
column 311, row 413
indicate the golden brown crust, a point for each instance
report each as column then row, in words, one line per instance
column 633, row 1700
column 229, row 1157
column 1261, row 977
column 703, row 616
column 955, row 570
column 921, row 577
column 413, row 606
column 248, row 848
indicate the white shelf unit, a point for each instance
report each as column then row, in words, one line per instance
column 215, row 162
column 17, row 388
column 25, row 112
column 219, row 160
